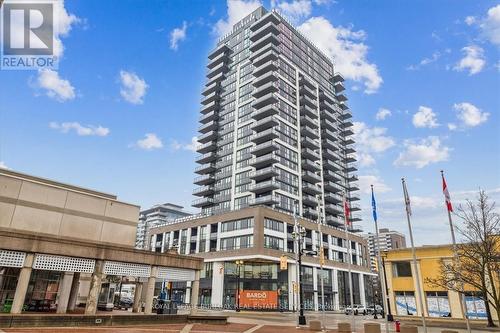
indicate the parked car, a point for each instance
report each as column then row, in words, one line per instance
column 378, row 308
column 358, row 309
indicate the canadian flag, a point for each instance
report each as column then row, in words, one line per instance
column 447, row 197
column 347, row 212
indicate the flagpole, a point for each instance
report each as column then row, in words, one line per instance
column 381, row 269
column 417, row 275
column 463, row 304
column 349, row 259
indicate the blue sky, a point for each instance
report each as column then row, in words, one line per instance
column 120, row 113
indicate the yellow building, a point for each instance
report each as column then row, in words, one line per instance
column 437, row 302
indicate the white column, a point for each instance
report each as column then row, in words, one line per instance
column 336, row 289
column 362, row 289
column 150, row 291
column 218, row 235
column 315, row 287
column 22, row 284
column 198, row 228
column 188, row 241
column 163, row 242
column 292, row 278
column 218, row 284
column 187, row 298
column 64, row 292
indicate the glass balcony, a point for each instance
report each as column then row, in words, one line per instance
column 310, row 176
column 265, row 111
column 264, row 148
column 265, row 123
column 205, row 168
column 265, row 78
column 308, row 131
column 309, row 154
column 269, row 87
column 203, row 202
column 268, row 172
column 269, row 38
column 265, row 186
column 207, row 147
column 308, row 121
column 211, row 135
column 265, row 200
column 270, row 54
column 264, row 160
column 269, row 27
column 310, row 188
column 204, row 180
column 203, row 190
column 204, row 128
column 333, row 198
column 208, row 157
column 209, row 107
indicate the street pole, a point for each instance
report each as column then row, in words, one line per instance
column 463, row 304
column 386, row 294
column 322, row 255
column 302, row 318
column 414, row 254
column 349, row 260
column 239, row 263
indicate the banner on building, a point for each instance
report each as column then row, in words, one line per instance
column 259, row 299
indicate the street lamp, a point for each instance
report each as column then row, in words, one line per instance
column 298, row 234
column 239, row 263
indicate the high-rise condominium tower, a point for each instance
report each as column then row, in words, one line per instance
column 275, row 127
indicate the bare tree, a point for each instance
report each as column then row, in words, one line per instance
column 478, row 256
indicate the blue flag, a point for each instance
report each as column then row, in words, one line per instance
column 374, row 207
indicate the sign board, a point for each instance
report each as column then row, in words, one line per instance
column 259, row 299
column 283, row 263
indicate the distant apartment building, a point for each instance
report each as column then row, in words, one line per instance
column 156, row 216
column 387, row 240
column 275, row 128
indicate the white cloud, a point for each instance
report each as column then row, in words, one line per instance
column 365, row 159
column 345, row 46
column 470, row 115
column 470, row 20
column 425, row 117
column 150, row 142
column 55, row 87
column 379, row 186
column 452, row 126
column 383, row 113
column 419, row 154
column 236, row 10
column 80, row 129
column 3, row 165
column 192, row 146
column 177, row 35
column 490, row 26
column 370, row 140
column 295, row 10
column 426, row 61
column 133, row 88
column 473, row 60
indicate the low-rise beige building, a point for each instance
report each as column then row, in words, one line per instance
column 61, row 243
